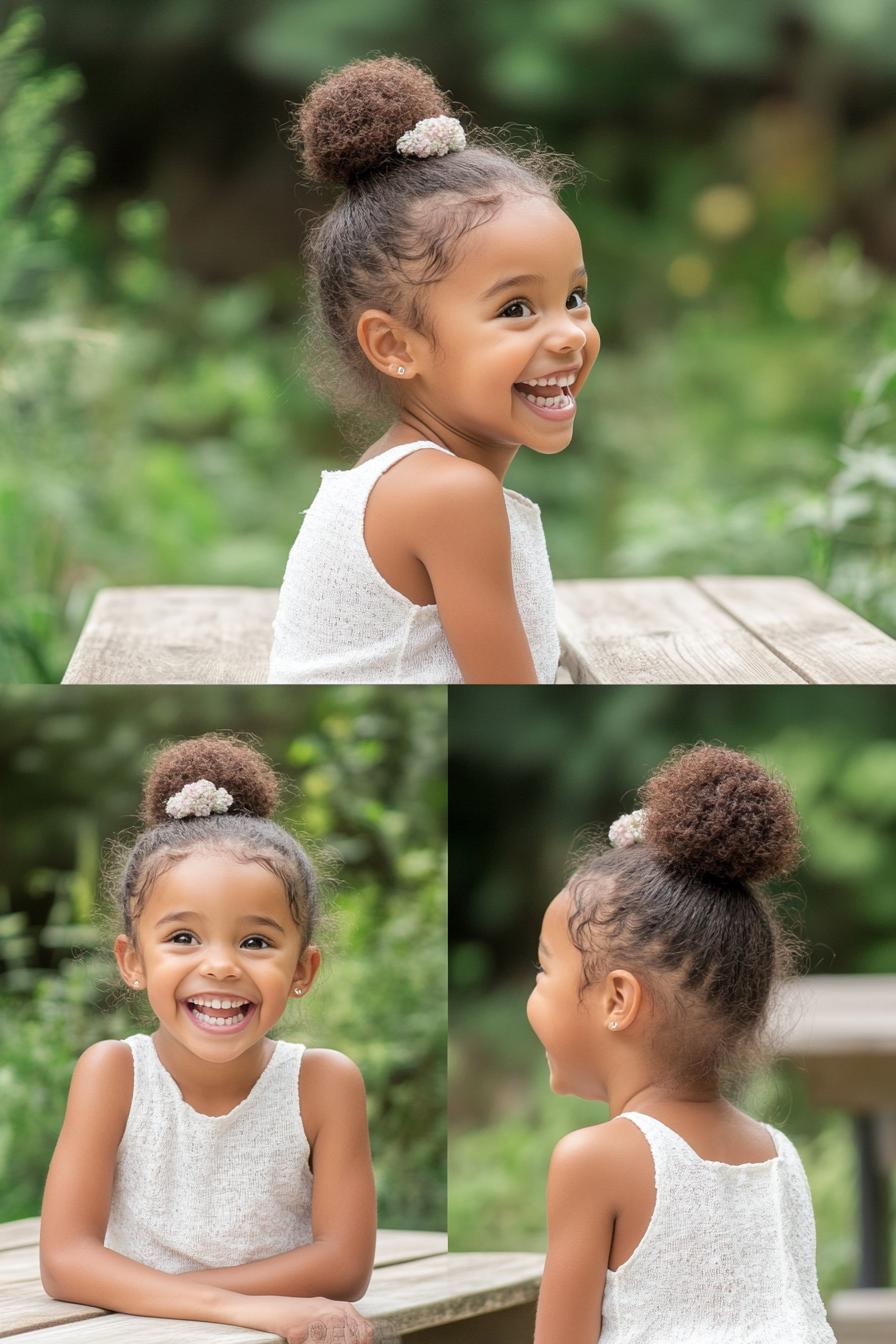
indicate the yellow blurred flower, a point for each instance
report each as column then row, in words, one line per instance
column 724, row 212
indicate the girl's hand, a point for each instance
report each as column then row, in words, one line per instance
column 317, row 1320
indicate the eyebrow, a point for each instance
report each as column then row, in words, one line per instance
column 513, row 280
column 180, row 915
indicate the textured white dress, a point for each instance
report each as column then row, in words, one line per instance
column 338, row 620
column 195, row 1191
column 728, row 1256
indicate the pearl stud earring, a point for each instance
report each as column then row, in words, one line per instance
column 612, row 1025
column 297, row 990
column 400, row 369
column 136, row 984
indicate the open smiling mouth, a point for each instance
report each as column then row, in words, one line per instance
column 230, row 1014
column 551, row 400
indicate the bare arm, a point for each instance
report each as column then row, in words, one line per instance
column 339, row 1261
column 462, row 537
column 580, row 1232
column 74, row 1264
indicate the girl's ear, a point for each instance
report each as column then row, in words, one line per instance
column 307, row 968
column 385, row 343
column 623, row 997
column 128, row 961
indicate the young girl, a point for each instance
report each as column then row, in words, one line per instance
column 680, row 1218
column 208, row 1172
column 450, row 288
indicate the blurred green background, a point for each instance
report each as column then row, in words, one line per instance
column 530, row 776
column 738, row 224
column 365, row 782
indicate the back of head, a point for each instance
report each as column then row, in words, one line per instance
column 397, row 225
column 680, row 903
column 214, row 793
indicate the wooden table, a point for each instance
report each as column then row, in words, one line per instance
column 705, row 631
column 841, row 1030
column 418, row 1292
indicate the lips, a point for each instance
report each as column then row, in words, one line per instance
column 219, row 1021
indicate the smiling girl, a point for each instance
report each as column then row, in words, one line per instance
column 206, row 1171
column 451, row 289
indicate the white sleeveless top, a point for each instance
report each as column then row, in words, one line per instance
column 195, row 1191
column 728, row 1255
column 338, row 620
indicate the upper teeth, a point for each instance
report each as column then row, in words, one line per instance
column 560, row 380
column 219, row 1003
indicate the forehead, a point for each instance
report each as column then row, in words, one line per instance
column 216, row 884
column 554, row 925
column 529, row 234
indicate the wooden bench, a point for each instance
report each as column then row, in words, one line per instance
column 841, row 1031
column 865, row 1316
column 705, row 631
column 418, row 1293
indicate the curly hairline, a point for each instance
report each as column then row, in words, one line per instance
column 382, row 244
column 246, row 839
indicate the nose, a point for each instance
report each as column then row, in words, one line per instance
column 219, row 962
column 569, row 334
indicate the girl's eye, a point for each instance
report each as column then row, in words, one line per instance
column 581, row 294
column 517, row 303
column 538, row 968
column 253, row 938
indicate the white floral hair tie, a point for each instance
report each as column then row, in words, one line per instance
column 432, row 135
column 628, row 829
column 198, row 799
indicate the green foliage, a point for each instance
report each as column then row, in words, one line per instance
column 364, row 769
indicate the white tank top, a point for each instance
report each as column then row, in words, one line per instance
column 195, row 1191
column 728, row 1255
column 338, row 620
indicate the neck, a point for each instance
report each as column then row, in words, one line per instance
column 655, row 1096
column 417, row 422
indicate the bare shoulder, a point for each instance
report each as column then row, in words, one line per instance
column 105, row 1072
column 433, row 480
column 600, row 1158
column 329, row 1084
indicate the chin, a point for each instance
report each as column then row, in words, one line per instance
column 549, row 449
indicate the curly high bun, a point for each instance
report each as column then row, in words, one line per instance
column 685, row 912
column 718, row 812
column 349, row 121
column 229, row 763
column 245, row 832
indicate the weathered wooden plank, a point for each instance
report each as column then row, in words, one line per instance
column 24, row 1305
column 425, row 1293
column 838, row 1014
column 21, row 1232
column 403, row 1298
column 841, row 1029
column 658, row 631
column 393, row 1246
column 109, row 1327
column 18, row 1264
column 864, row 1316
column 175, row 636
column 21, row 1264
column 824, row 641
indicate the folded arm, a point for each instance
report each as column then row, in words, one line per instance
column 339, row 1260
